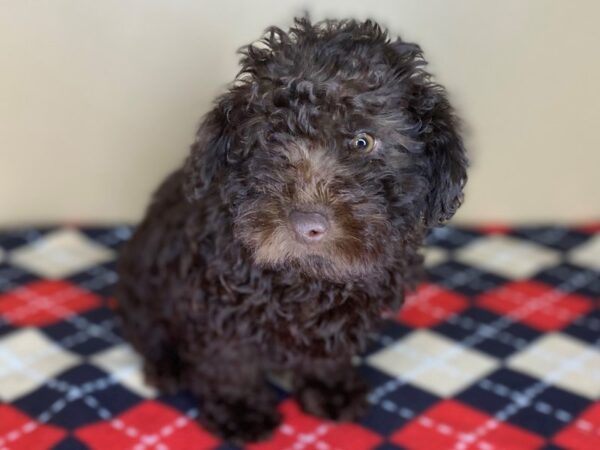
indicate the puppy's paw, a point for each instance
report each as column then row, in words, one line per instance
column 345, row 400
column 240, row 422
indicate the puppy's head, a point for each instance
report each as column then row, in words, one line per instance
column 331, row 147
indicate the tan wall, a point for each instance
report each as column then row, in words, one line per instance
column 99, row 99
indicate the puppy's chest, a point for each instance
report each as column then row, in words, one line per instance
column 310, row 329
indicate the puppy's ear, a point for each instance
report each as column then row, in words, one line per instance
column 439, row 131
column 446, row 159
column 208, row 155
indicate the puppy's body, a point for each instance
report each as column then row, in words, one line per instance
column 285, row 236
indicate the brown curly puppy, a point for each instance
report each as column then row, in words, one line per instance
column 294, row 223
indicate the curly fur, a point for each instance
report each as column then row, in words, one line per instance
column 214, row 290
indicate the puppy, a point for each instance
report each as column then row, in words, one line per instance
column 294, row 223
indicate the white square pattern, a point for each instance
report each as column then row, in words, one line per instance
column 19, row 374
column 125, row 366
column 434, row 256
column 424, row 358
column 563, row 361
column 60, row 254
column 508, row 256
column 587, row 254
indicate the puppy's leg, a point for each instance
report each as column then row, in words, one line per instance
column 332, row 390
column 162, row 366
column 235, row 400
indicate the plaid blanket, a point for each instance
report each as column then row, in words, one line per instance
column 498, row 349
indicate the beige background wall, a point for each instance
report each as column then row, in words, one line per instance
column 100, row 99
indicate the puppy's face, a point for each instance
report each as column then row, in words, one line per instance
column 325, row 201
column 327, row 152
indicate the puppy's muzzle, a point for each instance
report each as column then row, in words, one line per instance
column 309, row 227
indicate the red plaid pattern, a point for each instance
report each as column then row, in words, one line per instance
column 452, row 425
column 430, row 305
column 536, row 304
column 19, row 432
column 310, row 433
column 148, row 425
column 583, row 433
column 45, row 302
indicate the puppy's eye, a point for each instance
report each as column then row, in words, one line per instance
column 363, row 142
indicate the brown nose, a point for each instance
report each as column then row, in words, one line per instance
column 310, row 227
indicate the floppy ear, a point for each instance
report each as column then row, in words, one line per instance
column 445, row 160
column 207, row 157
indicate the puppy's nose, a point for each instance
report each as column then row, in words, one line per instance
column 310, row 227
